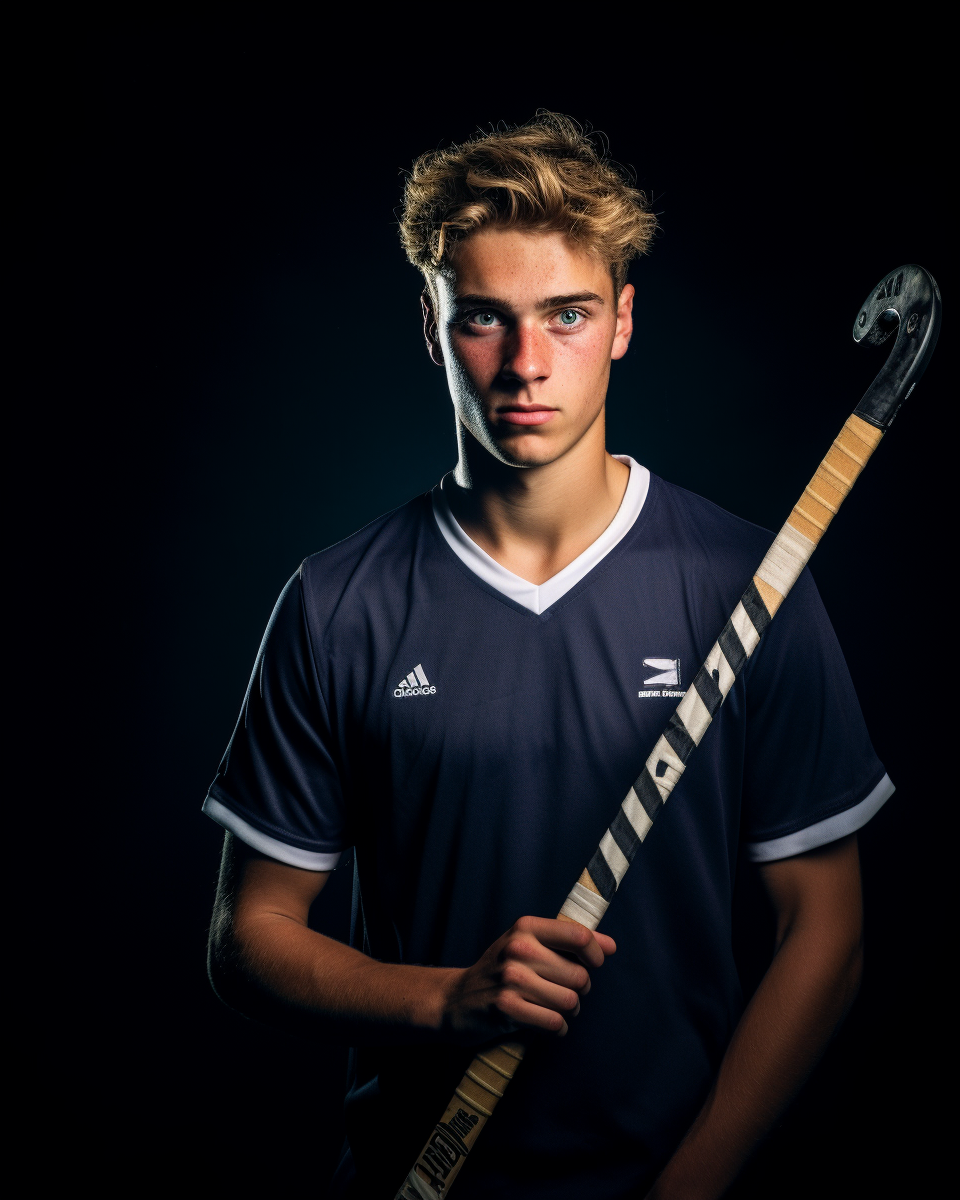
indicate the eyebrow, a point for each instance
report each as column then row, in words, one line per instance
column 549, row 302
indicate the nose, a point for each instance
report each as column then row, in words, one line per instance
column 527, row 354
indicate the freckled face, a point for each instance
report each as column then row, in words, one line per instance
column 528, row 327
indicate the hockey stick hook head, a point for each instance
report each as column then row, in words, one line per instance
column 904, row 305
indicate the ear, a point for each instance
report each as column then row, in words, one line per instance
column 430, row 332
column 621, row 339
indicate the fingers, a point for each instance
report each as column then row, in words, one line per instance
column 531, row 977
column 526, row 982
column 545, row 970
column 606, row 943
column 522, row 1013
column 569, row 938
column 548, row 964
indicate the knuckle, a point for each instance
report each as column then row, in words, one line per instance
column 511, row 947
column 512, row 974
column 504, row 1000
column 523, row 946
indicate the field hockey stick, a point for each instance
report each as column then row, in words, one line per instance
column 908, row 302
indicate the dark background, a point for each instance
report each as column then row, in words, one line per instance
column 226, row 373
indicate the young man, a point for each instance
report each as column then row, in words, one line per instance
column 463, row 692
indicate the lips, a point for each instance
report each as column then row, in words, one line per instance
column 533, row 414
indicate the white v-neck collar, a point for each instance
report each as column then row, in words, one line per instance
column 538, row 597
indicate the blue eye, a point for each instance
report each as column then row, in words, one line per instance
column 569, row 316
column 485, row 318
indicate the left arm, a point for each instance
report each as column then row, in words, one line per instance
column 803, row 997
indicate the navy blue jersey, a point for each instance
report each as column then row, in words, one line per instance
column 472, row 748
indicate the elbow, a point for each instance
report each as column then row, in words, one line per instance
column 223, row 970
column 233, row 982
column 225, row 953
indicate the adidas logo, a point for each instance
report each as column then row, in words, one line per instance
column 415, row 684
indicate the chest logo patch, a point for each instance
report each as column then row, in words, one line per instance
column 415, row 684
column 664, row 679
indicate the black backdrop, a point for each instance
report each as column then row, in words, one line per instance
column 227, row 374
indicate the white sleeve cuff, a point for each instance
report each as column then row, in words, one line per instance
column 824, row 832
column 293, row 856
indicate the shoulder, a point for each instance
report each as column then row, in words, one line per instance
column 707, row 535
column 707, row 521
column 723, row 552
column 375, row 553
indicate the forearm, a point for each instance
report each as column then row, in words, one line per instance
column 274, row 968
column 802, row 998
column 265, row 961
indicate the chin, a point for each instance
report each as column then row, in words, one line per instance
column 529, row 452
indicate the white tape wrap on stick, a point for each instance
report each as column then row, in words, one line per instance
column 785, row 559
column 584, row 906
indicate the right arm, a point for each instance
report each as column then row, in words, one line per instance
column 266, row 962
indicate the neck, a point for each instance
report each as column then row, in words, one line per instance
column 536, row 520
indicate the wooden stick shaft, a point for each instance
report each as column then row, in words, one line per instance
column 487, row 1077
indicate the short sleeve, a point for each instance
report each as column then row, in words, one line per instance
column 278, row 788
column 811, row 775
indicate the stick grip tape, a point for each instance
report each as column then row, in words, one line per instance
column 477, row 1095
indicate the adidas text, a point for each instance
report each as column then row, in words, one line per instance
column 415, row 684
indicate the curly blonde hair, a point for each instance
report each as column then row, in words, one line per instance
column 547, row 175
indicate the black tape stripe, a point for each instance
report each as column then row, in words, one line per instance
column 680, row 742
column 732, row 648
column 602, row 876
column 708, row 690
column 755, row 608
column 648, row 794
column 625, row 835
